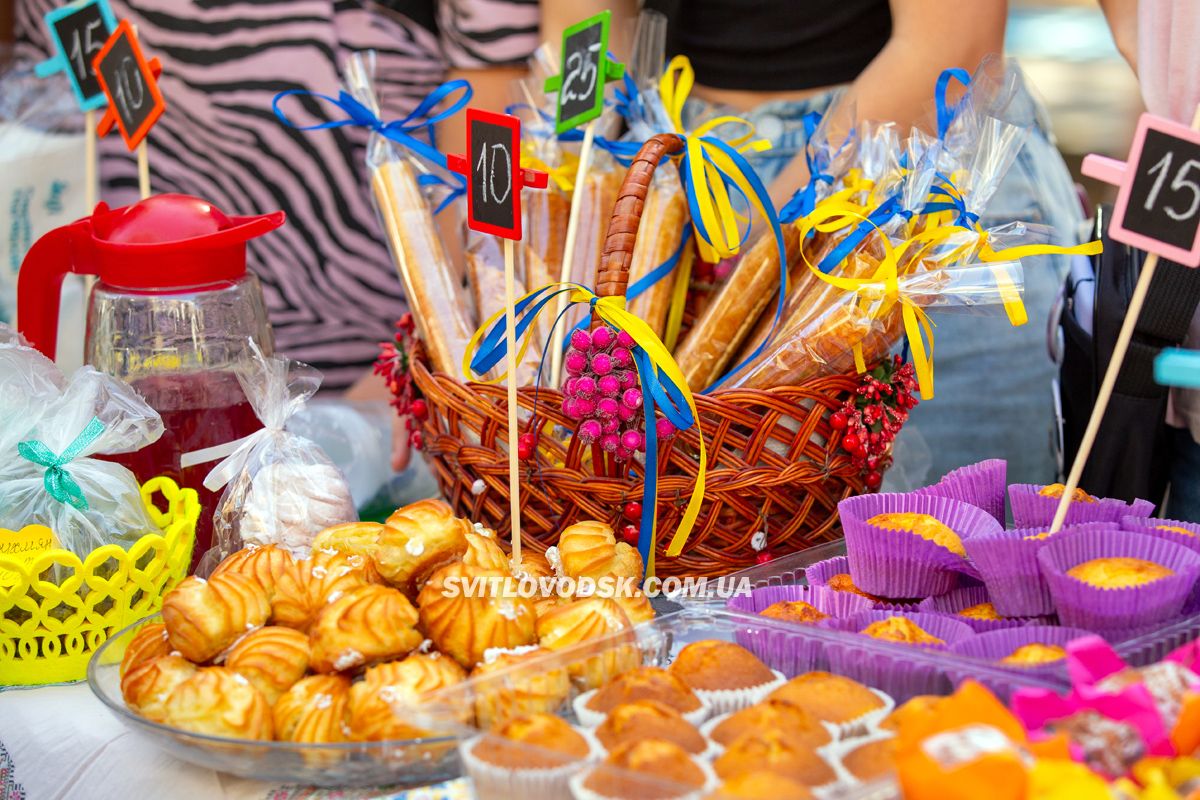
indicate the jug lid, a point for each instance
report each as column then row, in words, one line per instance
column 172, row 241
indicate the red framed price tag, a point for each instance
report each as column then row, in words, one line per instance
column 494, row 174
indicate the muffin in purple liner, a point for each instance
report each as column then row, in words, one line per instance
column 835, row 573
column 1032, row 509
column 899, row 563
column 1096, row 600
column 1184, row 533
column 822, row 598
column 982, row 485
column 973, row 606
column 1007, row 561
column 1010, row 647
column 906, row 627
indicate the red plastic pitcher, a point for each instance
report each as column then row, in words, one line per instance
column 173, row 313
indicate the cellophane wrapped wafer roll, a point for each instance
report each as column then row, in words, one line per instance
column 599, row 195
column 663, row 219
column 546, row 216
column 485, row 272
column 725, row 323
column 442, row 318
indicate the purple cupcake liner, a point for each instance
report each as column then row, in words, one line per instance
column 995, row 645
column 824, row 599
column 1009, row 566
column 1151, row 526
column 894, row 563
column 819, row 574
column 1031, row 509
column 1083, row 606
column 782, row 650
column 951, row 604
column 981, row 485
column 943, row 627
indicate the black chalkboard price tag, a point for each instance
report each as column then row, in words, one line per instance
column 586, row 68
column 78, row 30
column 131, row 84
column 494, row 174
column 1158, row 198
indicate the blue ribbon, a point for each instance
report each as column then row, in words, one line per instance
column 58, row 482
column 890, row 207
column 401, row 131
column 805, row 199
column 953, row 202
column 945, row 111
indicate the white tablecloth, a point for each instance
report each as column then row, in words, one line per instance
column 61, row 742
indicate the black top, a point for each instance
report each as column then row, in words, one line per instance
column 776, row 45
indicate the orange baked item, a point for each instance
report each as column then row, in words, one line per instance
column 635, row 605
column 650, row 769
column 871, row 760
column 1175, row 529
column 271, row 658
column 761, row 786
column 365, row 625
column 842, row 582
column 218, row 702
column 645, row 683
column 916, row 708
column 772, row 715
column 485, row 553
column 263, row 565
column 1118, row 572
column 924, row 525
column 648, row 719
column 590, row 549
column 980, row 611
column 548, row 742
column 377, row 702
column 775, row 752
column 465, row 624
column 715, row 665
column 794, row 611
column 351, row 538
column 418, row 540
column 900, row 629
column 831, row 698
column 583, row 620
column 311, row 582
column 203, row 618
column 147, row 686
column 315, row 710
column 527, row 688
column 148, row 644
column 1056, row 490
column 1035, row 653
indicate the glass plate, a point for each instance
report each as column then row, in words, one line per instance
column 402, row 763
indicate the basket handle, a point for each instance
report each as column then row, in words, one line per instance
column 612, row 276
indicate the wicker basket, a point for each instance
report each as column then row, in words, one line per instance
column 773, row 463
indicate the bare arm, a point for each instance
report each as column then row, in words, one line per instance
column 1122, row 21
column 898, row 83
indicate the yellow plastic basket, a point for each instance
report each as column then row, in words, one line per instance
column 50, row 628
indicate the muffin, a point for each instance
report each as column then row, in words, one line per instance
column 900, row 629
column 377, row 702
column 531, row 757
column 761, row 786
column 795, row 611
column 771, row 715
column 924, row 525
column 985, row 611
column 643, row 683
column 648, row 719
column 842, row 582
column 1056, row 490
column 466, row 625
column 271, row 658
column 831, row 698
column 1175, row 529
column 1118, row 572
column 1035, row 653
column 527, row 687
column 417, row 541
column 871, row 760
column 583, row 620
column 649, row 769
column 777, row 753
column 726, row 675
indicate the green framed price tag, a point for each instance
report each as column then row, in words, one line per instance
column 586, row 68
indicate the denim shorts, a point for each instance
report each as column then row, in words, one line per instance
column 993, row 382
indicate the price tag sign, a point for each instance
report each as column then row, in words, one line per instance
column 494, row 175
column 1158, row 198
column 78, row 31
column 586, row 68
column 131, row 84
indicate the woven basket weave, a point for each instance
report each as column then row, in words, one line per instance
column 773, row 461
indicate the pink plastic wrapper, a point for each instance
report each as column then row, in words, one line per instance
column 946, row 628
column 1086, row 606
column 892, row 563
column 824, row 599
column 981, row 485
column 965, row 597
column 1031, row 509
column 1007, row 562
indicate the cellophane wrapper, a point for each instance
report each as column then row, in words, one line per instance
column 39, row 404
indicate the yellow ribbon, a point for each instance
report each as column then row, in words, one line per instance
column 563, row 175
column 706, row 162
column 679, row 298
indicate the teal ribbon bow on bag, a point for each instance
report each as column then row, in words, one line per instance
column 58, row 482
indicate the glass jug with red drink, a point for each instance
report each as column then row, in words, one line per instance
column 174, row 313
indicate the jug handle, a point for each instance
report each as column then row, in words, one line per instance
column 69, row 249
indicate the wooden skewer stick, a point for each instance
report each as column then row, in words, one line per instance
column 510, row 336
column 556, row 341
column 1110, row 379
column 89, row 161
column 143, row 160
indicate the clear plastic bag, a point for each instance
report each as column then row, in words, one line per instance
column 51, row 431
column 280, row 488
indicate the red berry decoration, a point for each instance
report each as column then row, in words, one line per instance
column 873, row 480
column 850, row 442
column 632, row 511
column 525, row 446
column 419, row 409
column 416, row 440
column 629, row 533
column 838, row 420
column 873, row 416
column 763, row 556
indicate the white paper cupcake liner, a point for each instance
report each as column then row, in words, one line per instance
column 725, row 701
column 590, row 719
column 493, row 782
column 581, row 792
column 835, row 752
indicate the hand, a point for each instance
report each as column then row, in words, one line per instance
column 401, row 447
